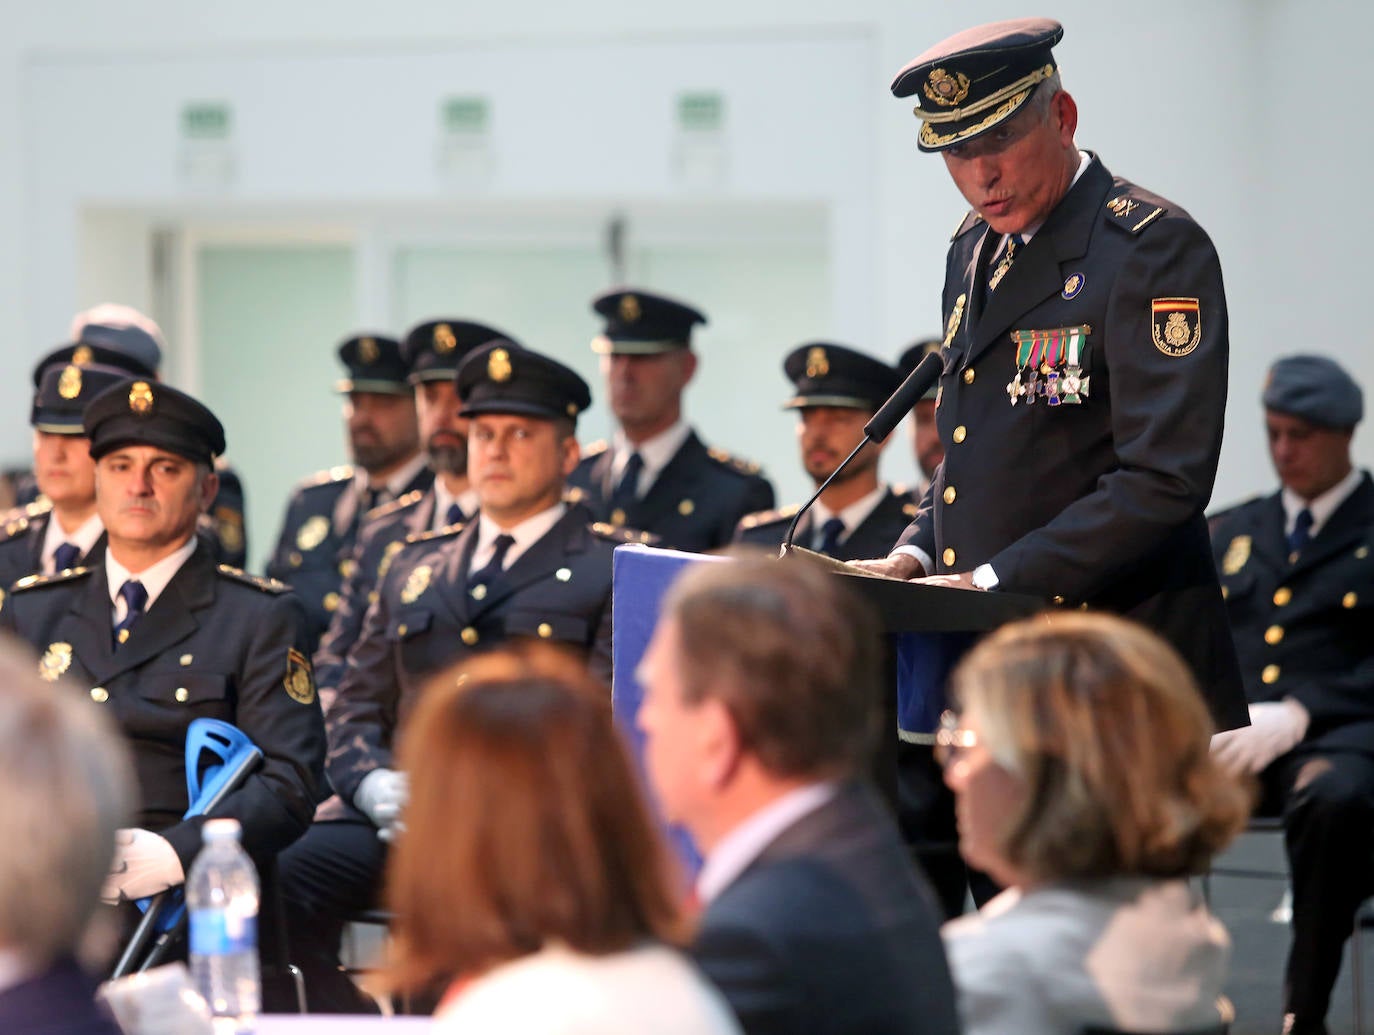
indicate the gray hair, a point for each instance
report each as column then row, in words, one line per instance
column 68, row 786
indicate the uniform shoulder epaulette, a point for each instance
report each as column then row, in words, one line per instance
column 261, row 582
column 621, row 534
column 1217, row 516
column 15, row 521
column 733, row 463
column 436, row 533
column 967, row 223
column 35, row 581
column 329, row 475
column 404, row 502
column 595, row 449
column 1132, row 211
column 769, row 517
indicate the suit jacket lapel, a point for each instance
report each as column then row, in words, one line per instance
column 673, row 483
column 1348, row 524
column 451, row 584
column 1038, row 274
column 172, row 617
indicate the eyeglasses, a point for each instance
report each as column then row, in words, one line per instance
column 951, row 739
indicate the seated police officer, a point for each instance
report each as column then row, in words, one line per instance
column 326, row 509
column 656, row 474
column 925, row 434
column 62, row 530
column 530, row 565
column 432, row 350
column 1298, row 578
column 162, row 636
column 838, row 390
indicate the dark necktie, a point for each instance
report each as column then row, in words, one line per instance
column 830, row 536
column 135, row 595
column 453, row 515
column 65, row 556
column 627, row 491
column 479, row 582
column 1014, row 243
column 1302, row 532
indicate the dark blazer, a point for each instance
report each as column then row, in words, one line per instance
column 21, row 543
column 1302, row 627
column 59, row 1001
column 216, row 643
column 424, row 620
column 314, row 549
column 830, row 932
column 1100, row 502
column 695, row 502
column 874, row 537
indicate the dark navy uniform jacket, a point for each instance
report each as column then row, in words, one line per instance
column 695, row 502
column 1303, row 626
column 424, row 619
column 313, row 552
column 1099, row 502
column 216, row 643
column 21, row 543
column 874, row 537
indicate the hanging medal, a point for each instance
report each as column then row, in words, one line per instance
column 1075, row 385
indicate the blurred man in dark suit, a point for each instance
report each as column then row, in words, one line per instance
column 760, row 710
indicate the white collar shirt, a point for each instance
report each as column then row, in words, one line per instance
column 84, row 538
column 525, row 534
column 655, row 453
column 1323, row 506
column 154, row 578
column 853, row 515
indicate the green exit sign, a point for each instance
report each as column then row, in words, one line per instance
column 206, row 120
column 465, row 114
column 701, row 111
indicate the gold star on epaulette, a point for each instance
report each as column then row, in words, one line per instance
column 38, row 507
column 34, row 581
column 1132, row 214
column 735, row 463
column 573, row 494
column 403, row 502
column 14, row 527
column 259, row 582
column 966, row 223
column 769, row 517
column 620, row 534
column 436, row 533
column 333, row 474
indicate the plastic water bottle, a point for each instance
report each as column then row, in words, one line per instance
column 222, row 897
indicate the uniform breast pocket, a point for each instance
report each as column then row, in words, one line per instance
column 168, row 701
column 568, row 629
column 408, row 624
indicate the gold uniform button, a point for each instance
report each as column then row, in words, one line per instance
column 402, row 629
column 1349, row 600
column 479, row 591
column 617, row 516
column 331, row 601
column 545, row 630
column 294, row 559
column 181, row 694
column 686, row 507
column 1273, row 635
column 960, row 433
column 1270, row 674
column 1282, row 595
column 469, row 636
column 949, row 556
column 950, row 494
column 1361, row 553
column 968, row 376
column 99, row 695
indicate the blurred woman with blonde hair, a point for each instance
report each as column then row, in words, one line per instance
column 1084, row 785
column 529, row 880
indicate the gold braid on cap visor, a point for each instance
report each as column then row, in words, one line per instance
column 1007, row 101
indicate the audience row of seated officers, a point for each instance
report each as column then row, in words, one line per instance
column 425, row 663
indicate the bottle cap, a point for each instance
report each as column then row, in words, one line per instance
column 220, row 830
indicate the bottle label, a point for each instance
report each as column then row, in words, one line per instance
column 217, row 932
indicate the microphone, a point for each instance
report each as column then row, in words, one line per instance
column 879, row 426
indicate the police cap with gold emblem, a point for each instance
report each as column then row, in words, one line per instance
column 82, row 354
column 1315, row 388
column 911, row 358
column 834, row 375
column 978, row 78
column 64, row 392
column 502, row 377
column 374, row 364
column 433, row 349
column 149, row 413
column 639, row 323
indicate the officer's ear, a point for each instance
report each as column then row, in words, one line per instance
column 209, row 487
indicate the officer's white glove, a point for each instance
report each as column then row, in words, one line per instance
column 382, row 795
column 1276, row 727
column 143, row 865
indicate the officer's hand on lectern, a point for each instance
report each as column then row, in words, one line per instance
column 896, row 566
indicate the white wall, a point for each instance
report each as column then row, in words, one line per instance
column 1245, row 111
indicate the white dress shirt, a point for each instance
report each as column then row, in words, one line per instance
column 853, row 515
column 394, row 486
column 655, row 452
column 742, row 845
column 1323, row 506
column 154, row 578
column 83, row 538
column 525, row 534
